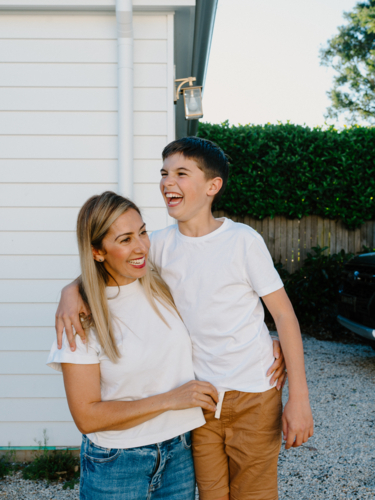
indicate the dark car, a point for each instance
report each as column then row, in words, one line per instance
column 357, row 296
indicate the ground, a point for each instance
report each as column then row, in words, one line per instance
column 338, row 462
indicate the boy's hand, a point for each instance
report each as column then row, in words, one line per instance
column 278, row 368
column 67, row 315
column 297, row 422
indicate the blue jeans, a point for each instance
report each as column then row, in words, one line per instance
column 157, row 471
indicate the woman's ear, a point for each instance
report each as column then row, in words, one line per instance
column 215, row 186
column 97, row 254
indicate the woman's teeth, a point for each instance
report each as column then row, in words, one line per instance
column 137, row 262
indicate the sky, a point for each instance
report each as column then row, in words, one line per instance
column 264, row 64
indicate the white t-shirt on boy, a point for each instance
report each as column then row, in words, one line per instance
column 217, row 281
column 154, row 359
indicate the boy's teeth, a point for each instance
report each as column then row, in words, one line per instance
column 172, row 195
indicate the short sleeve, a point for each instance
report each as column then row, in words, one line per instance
column 85, row 354
column 261, row 272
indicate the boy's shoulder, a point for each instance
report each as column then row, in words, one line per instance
column 243, row 231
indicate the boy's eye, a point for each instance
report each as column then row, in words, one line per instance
column 181, row 173
column 144, row 232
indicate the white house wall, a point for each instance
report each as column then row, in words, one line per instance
column 58, row 146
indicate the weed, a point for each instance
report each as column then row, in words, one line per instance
column 53, row 466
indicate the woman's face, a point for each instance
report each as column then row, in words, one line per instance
column 125, row 249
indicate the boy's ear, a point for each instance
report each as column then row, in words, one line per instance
column 214, row 186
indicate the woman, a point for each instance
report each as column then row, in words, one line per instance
column 131, row 388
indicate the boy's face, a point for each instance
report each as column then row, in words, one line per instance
column 184, row 187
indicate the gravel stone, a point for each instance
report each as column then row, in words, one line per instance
column 337, row 463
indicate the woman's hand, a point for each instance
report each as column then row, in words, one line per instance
column 67, row 315
column 297, row 422
column 193, row 394
column 278, row 368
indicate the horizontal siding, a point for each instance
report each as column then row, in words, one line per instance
column 146, row 171
column 155, row 218
column 148, row 195
column 21, row 338
column 31, row 386
column 78, row 99
column 38, row 243
column 35, row 410
column 78, row 51
column 38, row 219
column 25, row 363
column 78, row 75
column 27, row 314
column 14, row 146
column 58, row 171
column 58, row 219
column 81, row 26
column 49, row 195
column 39, row 267
column 58, row 147
column 30, row 290
column 65, row 170
column 78, row 123
column 59, row 433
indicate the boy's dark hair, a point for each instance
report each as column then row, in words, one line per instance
column 209, row 157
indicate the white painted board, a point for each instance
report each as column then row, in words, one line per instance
column 27, row 338
column 50, row 195
column 28, row 170
column 58, row 433
column 33, row 291
column 39, row 267
column 31, row 386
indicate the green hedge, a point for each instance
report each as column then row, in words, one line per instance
column 295, row 171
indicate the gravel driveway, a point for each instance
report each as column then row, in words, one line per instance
column 337, row 463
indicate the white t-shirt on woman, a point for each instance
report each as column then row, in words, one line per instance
column 154, row 359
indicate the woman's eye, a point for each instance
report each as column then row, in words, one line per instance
column 126, row 240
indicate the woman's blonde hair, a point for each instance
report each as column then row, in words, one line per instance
column 94, row 220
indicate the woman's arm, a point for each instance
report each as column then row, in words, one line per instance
column 298, row 423
column 91, row 414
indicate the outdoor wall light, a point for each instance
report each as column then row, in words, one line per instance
column 192, row 98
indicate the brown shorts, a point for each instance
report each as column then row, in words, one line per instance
column 238, row 453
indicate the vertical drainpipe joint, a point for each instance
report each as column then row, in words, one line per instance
column 124, row 17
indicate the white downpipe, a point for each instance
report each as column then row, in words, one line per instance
column 124, row 16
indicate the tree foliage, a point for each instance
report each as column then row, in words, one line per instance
column 352, row 55
column 296, row 171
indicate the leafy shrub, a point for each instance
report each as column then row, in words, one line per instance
column 6, row 466
column 54, row 466
column 314, row 288
column 295, row 171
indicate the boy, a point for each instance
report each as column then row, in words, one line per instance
column 217, row 271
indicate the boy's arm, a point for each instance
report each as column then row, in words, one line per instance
column 297, row 418
column 71, row 305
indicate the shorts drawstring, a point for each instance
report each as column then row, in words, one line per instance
column 219, row 404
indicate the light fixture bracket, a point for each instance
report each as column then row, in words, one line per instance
column 178, row 88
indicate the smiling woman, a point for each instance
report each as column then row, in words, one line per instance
column 131, row 388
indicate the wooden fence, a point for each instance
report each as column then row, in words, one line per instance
column 289, row 240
